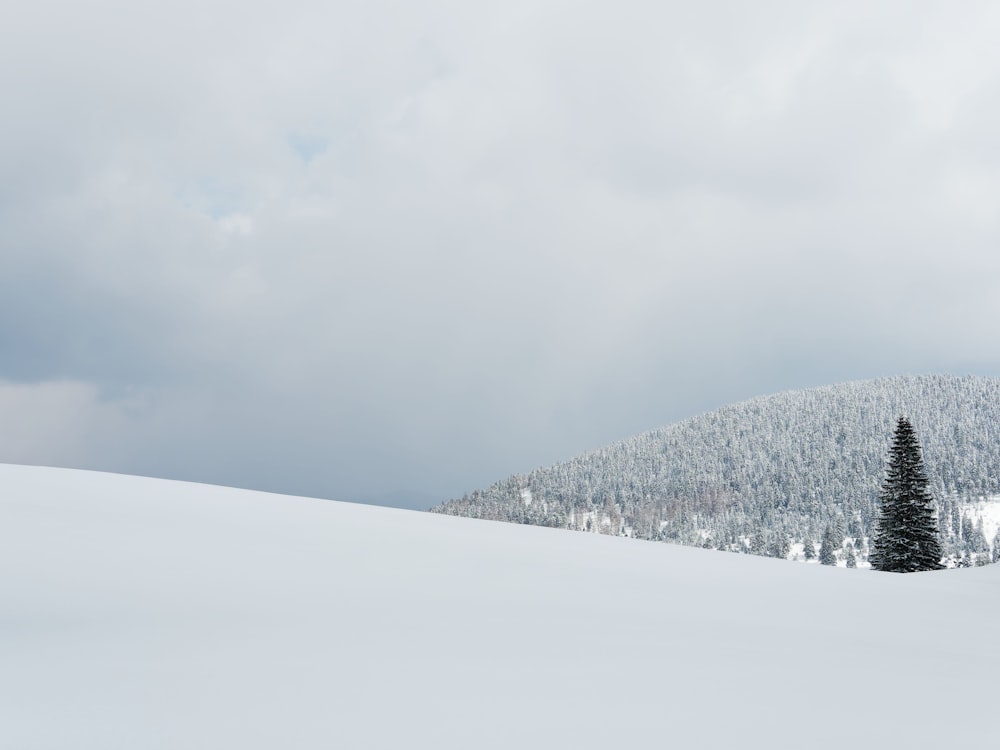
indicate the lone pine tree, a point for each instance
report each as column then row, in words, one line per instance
column 906, row 536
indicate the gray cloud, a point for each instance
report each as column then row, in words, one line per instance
column 395, row 251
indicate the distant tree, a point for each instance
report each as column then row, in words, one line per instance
column 861, row 550
column 809, row 549
column 852, row 560
column 827, row 554
column 979, row 537
column 758, row 545
column 967, row 530
column 780, row 545
column 906, row 535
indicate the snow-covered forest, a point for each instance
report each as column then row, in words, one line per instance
column 774, row 475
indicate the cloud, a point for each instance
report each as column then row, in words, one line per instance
column 381, row 249
column 55, row 423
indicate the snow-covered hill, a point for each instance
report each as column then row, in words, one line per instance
column 757, row 475
column 138, row 613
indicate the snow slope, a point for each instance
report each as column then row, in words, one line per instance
column 139, row 613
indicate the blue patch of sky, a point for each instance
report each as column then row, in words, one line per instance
column 307, row 146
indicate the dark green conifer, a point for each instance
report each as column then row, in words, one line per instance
column 906, row 537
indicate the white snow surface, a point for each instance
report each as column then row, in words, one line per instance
column 987, row 510
column 141, row 613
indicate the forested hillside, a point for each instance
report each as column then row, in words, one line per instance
column 773, row 474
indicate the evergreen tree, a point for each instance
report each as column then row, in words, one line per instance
column 827, row 556
column 780, row 545
column 809, row 549
column 906, row 537
column 979, row 537
column 758, row 545
column 967, row 529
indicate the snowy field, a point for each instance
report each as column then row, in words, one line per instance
column 143, row 614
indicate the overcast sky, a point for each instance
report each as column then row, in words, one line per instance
column 395, row 250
